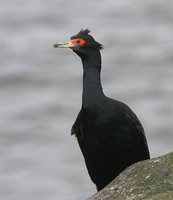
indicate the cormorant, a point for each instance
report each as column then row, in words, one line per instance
column 109, row 134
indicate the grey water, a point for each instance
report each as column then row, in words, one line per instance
column 40, row 87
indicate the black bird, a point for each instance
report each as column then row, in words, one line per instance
column 108, row 132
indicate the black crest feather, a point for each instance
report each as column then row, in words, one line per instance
column 84, row 32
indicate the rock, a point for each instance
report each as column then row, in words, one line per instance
column 146, row 180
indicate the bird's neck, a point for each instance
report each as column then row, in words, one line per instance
column 92, row 88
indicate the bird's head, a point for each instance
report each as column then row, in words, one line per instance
column 82, row 43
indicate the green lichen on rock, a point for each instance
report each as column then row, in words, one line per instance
column 146, row 180
column 163, row 196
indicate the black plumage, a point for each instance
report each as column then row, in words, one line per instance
column 109, row 134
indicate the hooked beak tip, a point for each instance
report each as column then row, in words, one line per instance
column 55, row 45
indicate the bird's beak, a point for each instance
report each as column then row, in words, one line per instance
column 66, row 45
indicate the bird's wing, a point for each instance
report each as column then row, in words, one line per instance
column 133, row 125
column 76, row 128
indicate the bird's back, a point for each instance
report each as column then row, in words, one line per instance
column 111, row 138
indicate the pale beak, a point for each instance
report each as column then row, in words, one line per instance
column 66, row 45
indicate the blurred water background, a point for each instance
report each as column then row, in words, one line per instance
column 40, row 87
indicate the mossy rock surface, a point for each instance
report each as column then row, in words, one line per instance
column 146, row 180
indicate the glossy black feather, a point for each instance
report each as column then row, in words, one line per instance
column 111, row 138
